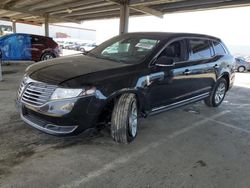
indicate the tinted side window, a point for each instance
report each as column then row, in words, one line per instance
column 219, row 49
column 199, row 49
column 176, row 50
column 36, row 40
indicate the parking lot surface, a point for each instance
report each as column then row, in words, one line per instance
column 193, row 146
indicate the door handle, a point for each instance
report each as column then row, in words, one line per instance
column 216, row 66
column 187, row 72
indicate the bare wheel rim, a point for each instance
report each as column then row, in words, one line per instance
column 48, row 56
column 133, row 120
column 220, row 93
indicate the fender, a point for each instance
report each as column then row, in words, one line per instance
column 140, row 90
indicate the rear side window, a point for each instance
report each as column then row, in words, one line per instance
column 36, row 40
column 199, row 49
column 219, row 49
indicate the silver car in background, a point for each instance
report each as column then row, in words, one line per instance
column 242, row 65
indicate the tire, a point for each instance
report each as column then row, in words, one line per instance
column 124, row 119
column 241, row 69
column 218, row 93
column 82, row 50
column 47, row 56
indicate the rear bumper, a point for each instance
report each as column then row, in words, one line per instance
column 51, row 119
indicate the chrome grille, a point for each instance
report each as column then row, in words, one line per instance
column 37, row 93
column 20, row 90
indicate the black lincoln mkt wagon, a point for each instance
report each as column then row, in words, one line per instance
column 129, row 76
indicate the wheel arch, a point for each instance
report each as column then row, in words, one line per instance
column 109, row 104
column 227, row 78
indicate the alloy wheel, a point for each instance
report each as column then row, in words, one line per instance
column 48, row 56
column 220, row 93
column 133, row 120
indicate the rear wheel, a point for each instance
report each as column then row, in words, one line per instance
column 47, row 55
column 218, row 93
column 241, row 69
column 125, row 119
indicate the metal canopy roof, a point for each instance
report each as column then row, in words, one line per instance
column 34, row 11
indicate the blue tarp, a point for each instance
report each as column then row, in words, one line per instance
column 16, row 47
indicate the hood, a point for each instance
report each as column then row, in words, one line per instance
column 59, row 70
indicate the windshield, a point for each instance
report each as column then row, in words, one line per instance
column 130, row 49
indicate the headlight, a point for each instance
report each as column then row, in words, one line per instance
column 62, row 93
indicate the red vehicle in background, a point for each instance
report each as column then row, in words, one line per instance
column 44, row 48
column 28, row 47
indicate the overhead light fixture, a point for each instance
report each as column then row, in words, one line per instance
column 69, row 10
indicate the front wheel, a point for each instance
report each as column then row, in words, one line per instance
column 218, row 93
column 125, row 119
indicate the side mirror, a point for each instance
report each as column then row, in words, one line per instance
column 165, row 61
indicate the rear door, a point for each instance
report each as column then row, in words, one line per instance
column 200, row 57
column 181, row 81
column 220, row 60
column 38, row 46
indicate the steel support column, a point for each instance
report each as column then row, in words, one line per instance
column 14, row 26
column 124, row 17
column 46, row 25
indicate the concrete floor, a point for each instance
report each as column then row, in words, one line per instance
column 193, row 146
